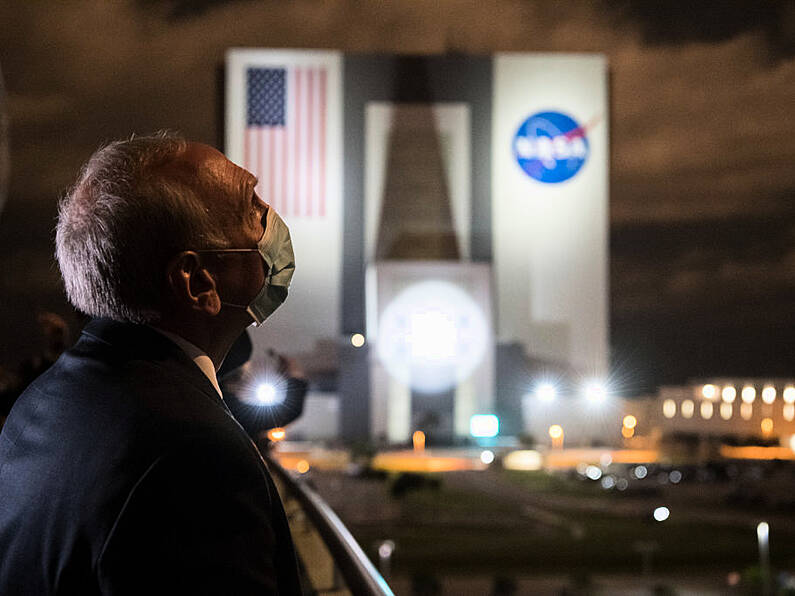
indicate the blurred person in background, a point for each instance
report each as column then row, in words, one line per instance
column 122, row 470
column 241, row 381
column 55, row 333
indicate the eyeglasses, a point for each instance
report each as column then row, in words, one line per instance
column 227, row 250
column 232, row 251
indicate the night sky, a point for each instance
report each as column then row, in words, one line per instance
column 702, row 207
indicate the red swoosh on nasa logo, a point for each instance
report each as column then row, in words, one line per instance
column 581, row 131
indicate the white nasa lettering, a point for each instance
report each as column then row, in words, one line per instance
column 546, row 152
column 524, row 148
column 578, row 148
column 549, row 150
column 561, row 145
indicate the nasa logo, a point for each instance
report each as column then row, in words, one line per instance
column 550, row 147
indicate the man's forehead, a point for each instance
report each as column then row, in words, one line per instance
column 213, row 164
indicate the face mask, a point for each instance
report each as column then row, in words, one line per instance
column 276, row 249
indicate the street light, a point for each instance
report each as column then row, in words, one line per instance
column 266, row 394
column 546, row 392
column 595, row 391
column 556, row 434
column 385, row 550
column 418, row 439
column 762, row 535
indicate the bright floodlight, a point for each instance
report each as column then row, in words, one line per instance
column 762, row 531
column 266, row 394
column 748, row 394
column 595, row 391
column 630, row 421
column 431, row 336
column 357, row 340
column 728, row 394
column 708, row 391
column 792, row 442
column 768, row 394
column 487, row 456
column 484, row 425
column 546, row 392
column 661, row 513
column 789, row 394
column 788, row 411
column 555, row 431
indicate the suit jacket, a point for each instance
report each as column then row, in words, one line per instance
column 123, row 472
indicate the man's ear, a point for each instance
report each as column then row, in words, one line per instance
column 191, row 284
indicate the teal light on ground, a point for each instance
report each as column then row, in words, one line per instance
column 484, row 426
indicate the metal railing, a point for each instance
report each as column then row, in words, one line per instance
column 312, row 521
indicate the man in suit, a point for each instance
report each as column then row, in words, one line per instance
column 121, row 469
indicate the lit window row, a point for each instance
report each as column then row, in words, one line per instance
column 726, row 409
column 728, row 393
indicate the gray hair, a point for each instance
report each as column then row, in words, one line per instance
column 123, row 220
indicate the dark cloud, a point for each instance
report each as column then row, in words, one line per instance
column 705, row 297
column 678, row 21
column 672, row 267
column 701, row 130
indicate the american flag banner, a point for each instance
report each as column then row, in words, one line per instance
column 285, row 137
column 284, row 124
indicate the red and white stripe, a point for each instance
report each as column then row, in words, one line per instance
column 290, row 161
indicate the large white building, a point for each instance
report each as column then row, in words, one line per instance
column 449, row 210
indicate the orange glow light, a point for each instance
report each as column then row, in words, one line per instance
column 277, row 434
column 418, row 438
column 756, row 452
column 302, row 466
column 767, row 425
column 627, row 432
column 413, row 461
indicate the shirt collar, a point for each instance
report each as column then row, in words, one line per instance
column 201, row 359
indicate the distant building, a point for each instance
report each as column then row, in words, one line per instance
column 732, row 411
column 450, row 222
